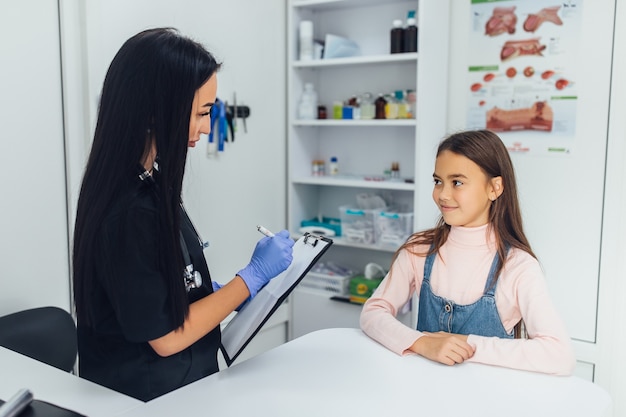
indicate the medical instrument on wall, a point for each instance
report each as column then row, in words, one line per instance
column 224, row 124
column 219, row 128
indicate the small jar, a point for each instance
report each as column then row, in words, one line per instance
column 318, row 168
column 379, row 105
column 321, row 112
column 395, row 170
column 337, row 110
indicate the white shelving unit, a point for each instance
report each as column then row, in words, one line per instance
column 365, row 148
column 358, row 60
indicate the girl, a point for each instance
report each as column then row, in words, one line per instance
column 475, row 274
column 148, row 314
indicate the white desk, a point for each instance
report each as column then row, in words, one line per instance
column 58, row 387
column 341, row 372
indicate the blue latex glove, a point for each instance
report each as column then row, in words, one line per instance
column 272, row 255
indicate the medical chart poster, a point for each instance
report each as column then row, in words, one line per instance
column 522, row 72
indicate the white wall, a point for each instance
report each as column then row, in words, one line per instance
column 611, row 368
column 244, row 186
column 34, row 263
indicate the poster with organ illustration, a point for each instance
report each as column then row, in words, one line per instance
column 522, row 72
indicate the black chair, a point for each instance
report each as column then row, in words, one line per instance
column 47, row 334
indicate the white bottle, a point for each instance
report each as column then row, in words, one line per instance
column 333, row 167
column 307, row 107
column 306, row 40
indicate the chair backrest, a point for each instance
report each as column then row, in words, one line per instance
column 47, row 334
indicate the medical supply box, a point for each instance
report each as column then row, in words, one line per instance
column 392, row 227
column 357, row 225
column 329, row 278
column 362, row 288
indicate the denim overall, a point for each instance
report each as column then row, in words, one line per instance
column 480, row 318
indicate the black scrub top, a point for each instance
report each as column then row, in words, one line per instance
column 131, row 306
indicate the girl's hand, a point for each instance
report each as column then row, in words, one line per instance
column 446, row 348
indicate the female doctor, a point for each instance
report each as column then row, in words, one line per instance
column 147, row 314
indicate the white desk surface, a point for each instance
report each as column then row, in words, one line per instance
column 341, row 372
column 58, row 387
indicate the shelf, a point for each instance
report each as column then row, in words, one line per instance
column 336, row 4
column 358, row 60
column 339, row 241
column 354, row 183
column 355, row 122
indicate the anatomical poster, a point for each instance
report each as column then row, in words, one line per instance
column 522, row 72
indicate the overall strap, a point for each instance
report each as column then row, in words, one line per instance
column 490, row 285
column 428, row 265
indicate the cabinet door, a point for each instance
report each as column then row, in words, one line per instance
column 34, row 264
column 313, row 310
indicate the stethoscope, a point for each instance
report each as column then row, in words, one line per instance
column 191, row 277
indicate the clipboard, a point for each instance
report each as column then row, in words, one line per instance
column 250, row 319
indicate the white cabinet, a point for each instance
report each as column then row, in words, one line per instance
column 315, row 310
column 365, row 148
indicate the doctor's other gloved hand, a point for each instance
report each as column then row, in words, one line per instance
column 271, row 256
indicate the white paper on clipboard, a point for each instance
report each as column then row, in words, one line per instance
column 248, row 321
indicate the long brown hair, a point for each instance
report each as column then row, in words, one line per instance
column 486, row 150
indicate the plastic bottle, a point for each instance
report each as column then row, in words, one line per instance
column 379, row 105
column 368, row 110
column 306, row 40
column 355, row 103
column 337, row 110
column 333, row 166
column 307, row 107
column 346, row 111
column 410, row 102
column 397, row 37
column 402, row 105
column 391, row 108
column 410, row 33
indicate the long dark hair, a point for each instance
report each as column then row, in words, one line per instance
column 486, row 150
column 149, row 87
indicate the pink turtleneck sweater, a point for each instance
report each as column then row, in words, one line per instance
column 461, row 276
